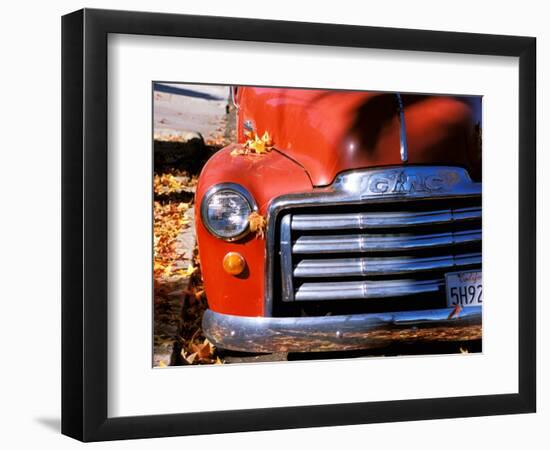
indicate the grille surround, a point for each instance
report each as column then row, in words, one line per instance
column 355, row 188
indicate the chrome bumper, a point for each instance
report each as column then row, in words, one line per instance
column 330, row 333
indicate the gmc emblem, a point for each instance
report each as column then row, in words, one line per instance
column 400, row 182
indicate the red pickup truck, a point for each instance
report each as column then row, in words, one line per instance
column 372, row 203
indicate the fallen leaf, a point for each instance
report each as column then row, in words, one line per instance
column 204, row 351
column 190, row 270
column 455, row 312
column 190, row 358
column 266, row 139
column 172, row 182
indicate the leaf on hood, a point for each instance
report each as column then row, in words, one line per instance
column 266, row 139
column 255, row 145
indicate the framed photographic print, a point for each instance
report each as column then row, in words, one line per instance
column 330, row 225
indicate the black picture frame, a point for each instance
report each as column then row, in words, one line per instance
column 84, row 224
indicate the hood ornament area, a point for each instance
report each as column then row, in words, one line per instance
column 403, row 150
column 404, row 182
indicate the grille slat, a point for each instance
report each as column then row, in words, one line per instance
column 358, row 290
column 356, row 267
column 376, row 220
column 366, row 243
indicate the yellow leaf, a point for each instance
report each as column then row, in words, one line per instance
column 266, row 139
column 257, row 145
column 257, row 224
column 191, row 358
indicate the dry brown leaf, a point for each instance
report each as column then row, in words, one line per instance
column 169, row 221
column 455, row 312
column 257, row 224
column 204, row 351
column 174, row 181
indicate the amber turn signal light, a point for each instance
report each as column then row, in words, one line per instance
column 234, row 263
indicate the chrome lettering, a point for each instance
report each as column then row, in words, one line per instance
column 417, row 183
column 378, row 185
column 402, row 182
column 434, row 183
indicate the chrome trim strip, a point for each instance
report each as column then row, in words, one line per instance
column 361, row 221
column 358, row 290
column 403, row 147
column 363, row 186
column 286, row 260
column 365, row 243
column 329, row 333
column 358, row 267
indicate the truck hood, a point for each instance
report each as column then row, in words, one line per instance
column 328, row 132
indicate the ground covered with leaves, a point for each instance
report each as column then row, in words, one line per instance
column 179, row 297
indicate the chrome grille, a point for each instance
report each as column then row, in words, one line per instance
column 372, row 255
column 372, row 235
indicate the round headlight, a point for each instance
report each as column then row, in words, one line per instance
column 225, row 209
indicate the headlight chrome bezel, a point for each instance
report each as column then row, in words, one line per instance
column 216, row 189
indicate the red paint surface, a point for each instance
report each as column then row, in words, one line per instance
column 265, row 177
column 318, row 134
column 328, row 132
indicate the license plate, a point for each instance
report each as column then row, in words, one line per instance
column 463, row 288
